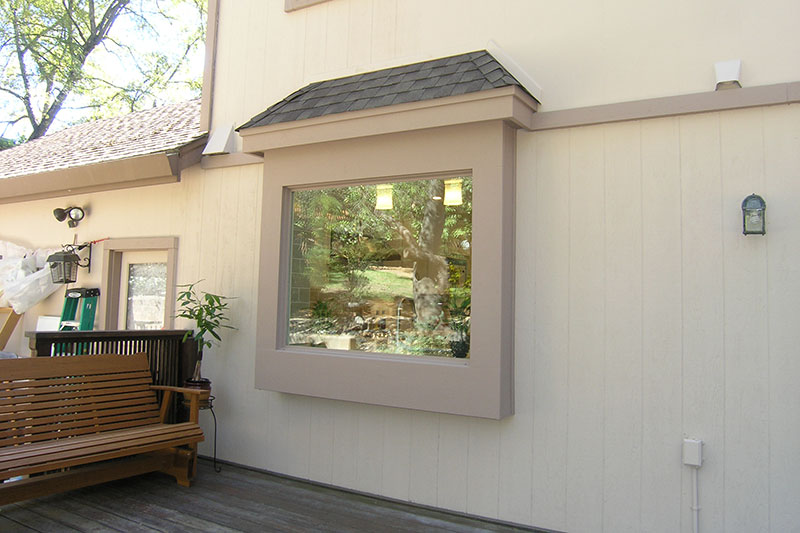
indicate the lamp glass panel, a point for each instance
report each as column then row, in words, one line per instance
column 383, row 197
column 452, row 191
column 754, row 221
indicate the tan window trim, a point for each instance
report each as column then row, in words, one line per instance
column 473, row 133
column 112, row 262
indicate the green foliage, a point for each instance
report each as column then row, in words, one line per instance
column 323, row 316
column 76, row 54
column 207, row 310
column 8, row 143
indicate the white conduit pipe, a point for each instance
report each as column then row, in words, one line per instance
column 695, row 502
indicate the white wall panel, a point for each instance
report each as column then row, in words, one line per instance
column 781, row 191
column 547, row 158
column 661, row 327
column 703, row 304
column 622, row 401
column 746, row 347
column 587, row 331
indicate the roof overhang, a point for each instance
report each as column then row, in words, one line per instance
column 151, row 169
column 511, row 104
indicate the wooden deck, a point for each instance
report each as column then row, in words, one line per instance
column 234, row 500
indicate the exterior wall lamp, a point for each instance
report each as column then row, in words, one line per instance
column 74, row 214
column 64, row 265
column 754, row 216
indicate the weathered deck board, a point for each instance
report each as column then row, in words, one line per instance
column 235, row 500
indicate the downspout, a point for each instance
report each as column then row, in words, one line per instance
column 210, row 67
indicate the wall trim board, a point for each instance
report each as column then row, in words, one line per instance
column 765, row 95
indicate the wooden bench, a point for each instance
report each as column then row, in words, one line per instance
column 70, row 422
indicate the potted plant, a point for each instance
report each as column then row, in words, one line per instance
column 208, row 311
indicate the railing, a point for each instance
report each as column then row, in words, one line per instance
column 172, row 361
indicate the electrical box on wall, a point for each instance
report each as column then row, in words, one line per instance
column 692, row 452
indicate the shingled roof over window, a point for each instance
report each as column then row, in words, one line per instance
column 439, row 78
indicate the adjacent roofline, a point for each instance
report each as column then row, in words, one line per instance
column 509, row 103
column 152, row 169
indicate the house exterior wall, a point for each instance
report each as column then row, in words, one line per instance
column 582, row 53
column 643, row 315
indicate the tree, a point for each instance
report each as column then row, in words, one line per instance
column 56, row 53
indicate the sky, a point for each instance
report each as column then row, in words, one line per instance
column 117, row 65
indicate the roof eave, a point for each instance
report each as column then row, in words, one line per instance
column 512, row 104
column 152, row 169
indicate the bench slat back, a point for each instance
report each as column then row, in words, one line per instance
column 46, row 398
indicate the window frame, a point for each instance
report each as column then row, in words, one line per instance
column 473, row 134
column 283, row 330
column 113, row 250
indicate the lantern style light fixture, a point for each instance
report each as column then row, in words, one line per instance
column 754, row 217
column 383, row 199
column 74, row 214
column 452, row 192
column 64, row 264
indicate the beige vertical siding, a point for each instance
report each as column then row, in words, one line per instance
column 642, row 313
column 643, row 316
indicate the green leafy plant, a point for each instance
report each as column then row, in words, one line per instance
column 207, row 310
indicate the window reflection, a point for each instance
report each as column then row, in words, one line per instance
column 383, row 268
column 147, row 290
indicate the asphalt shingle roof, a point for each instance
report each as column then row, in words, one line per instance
column 157, row 130
column 439, row 78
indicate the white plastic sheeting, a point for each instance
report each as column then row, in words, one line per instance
column 24, row 280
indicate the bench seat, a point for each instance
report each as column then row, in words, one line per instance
column 75, row 451
column 69, row 422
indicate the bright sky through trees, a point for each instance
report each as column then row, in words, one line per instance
column 67, row 61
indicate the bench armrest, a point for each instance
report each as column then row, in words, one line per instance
column 195, row 397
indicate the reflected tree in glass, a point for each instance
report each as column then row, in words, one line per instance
column 379, row 275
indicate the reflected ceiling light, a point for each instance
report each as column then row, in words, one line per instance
column 74, row 214
column 754, row 215
column 452, row 191
column 383, row 199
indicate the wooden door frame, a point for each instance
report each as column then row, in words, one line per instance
column 112, row 264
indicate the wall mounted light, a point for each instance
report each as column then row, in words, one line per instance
column 74, row 214
column 64, row 264
column 754, row 215
column 383, row 199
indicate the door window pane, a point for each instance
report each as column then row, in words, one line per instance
column 147, row 290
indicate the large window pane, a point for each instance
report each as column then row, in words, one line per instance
column 383, row 268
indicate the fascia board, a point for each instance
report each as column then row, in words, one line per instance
column 121, row 174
